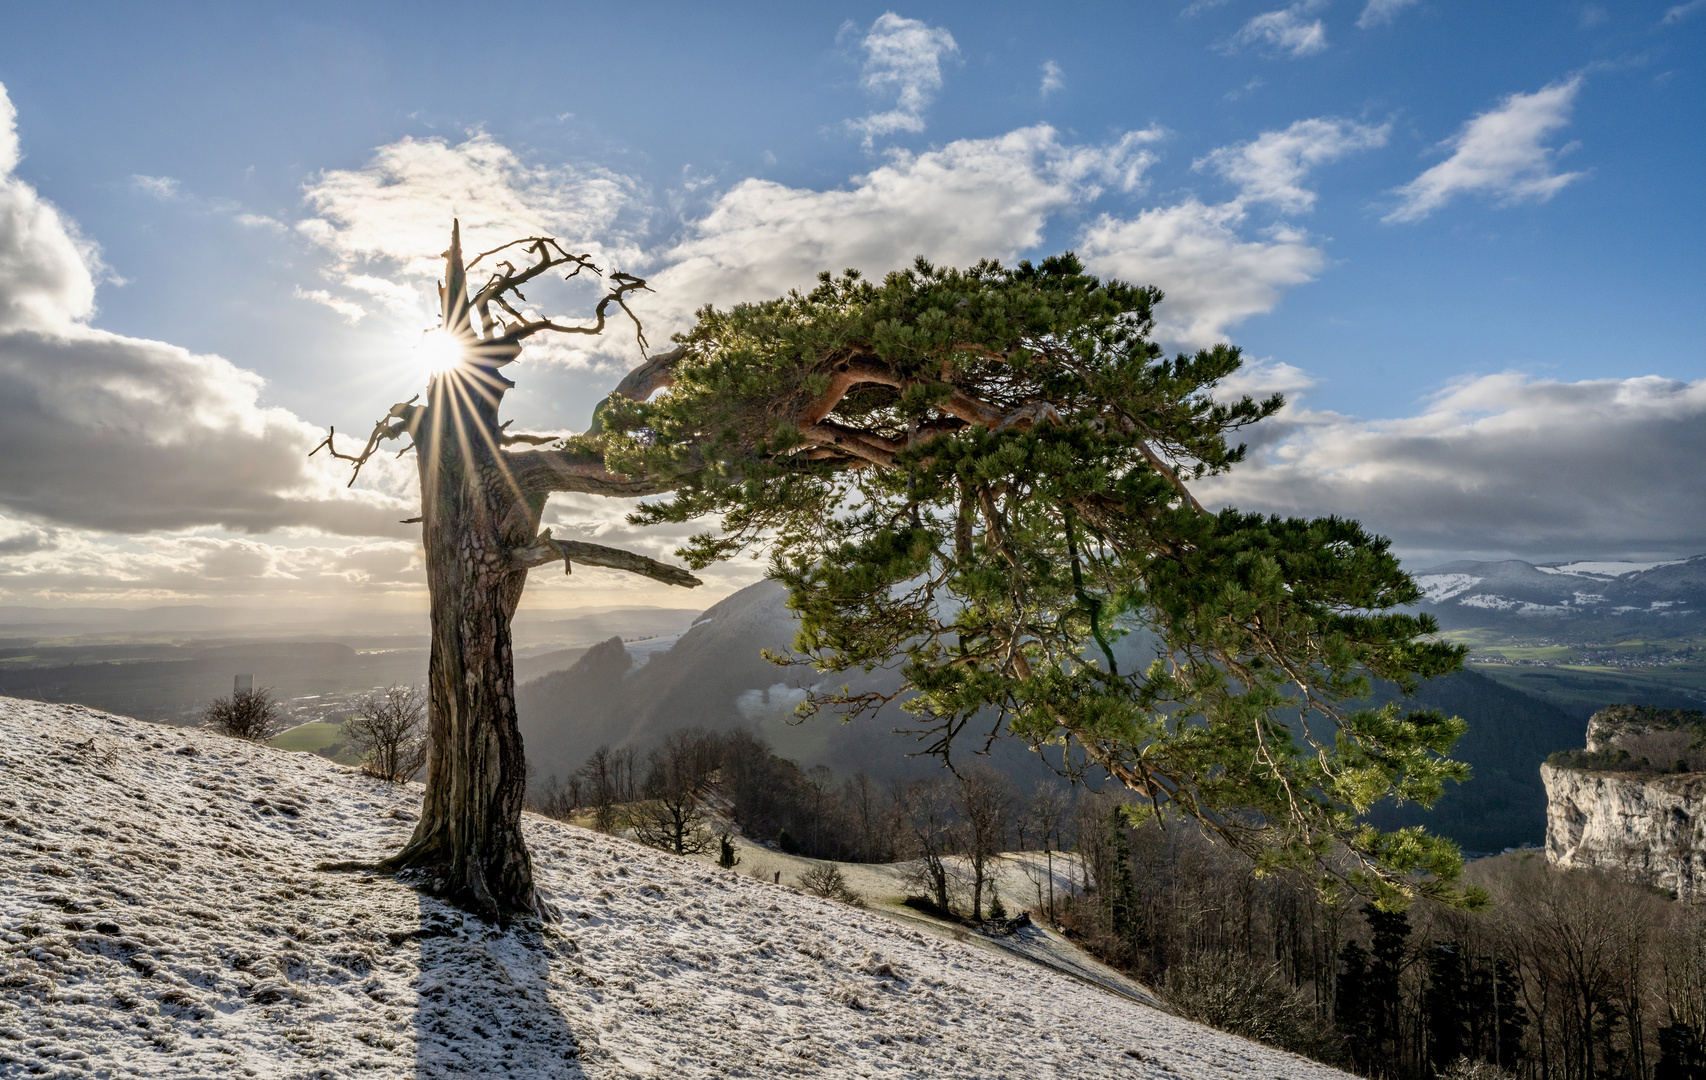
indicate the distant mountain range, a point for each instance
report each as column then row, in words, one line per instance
column 1667, row 597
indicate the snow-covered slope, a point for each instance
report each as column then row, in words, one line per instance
column 160, row 916
column 1482, row 590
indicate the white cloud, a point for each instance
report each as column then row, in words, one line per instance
column 352, row 312
column 9, row 149
column 259, row 221
column 1498, row 463
column 1498, row 153
column 161, row 187
column 903, row 57
column 391, row 218
column 39, row 566
column 1680, row 12
column 1381, row 12
column 1051, row 78
column 1213, row 278
column 1272, row 167
column 972, row 199
column 108, row 432
column 1287, row 30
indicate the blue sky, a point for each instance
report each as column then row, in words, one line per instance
column 1468, row 239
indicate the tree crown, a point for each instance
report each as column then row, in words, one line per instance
column 983, row 476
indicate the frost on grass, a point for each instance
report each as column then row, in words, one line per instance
column 160, row 916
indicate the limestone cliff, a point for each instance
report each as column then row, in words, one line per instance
column 1615, row 808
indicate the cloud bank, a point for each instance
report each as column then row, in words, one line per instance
column 107, row 432
column 1498, row 463
column 972, row 199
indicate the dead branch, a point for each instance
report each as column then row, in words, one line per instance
column 400, row 421
column 505, row 438
column 546, row 549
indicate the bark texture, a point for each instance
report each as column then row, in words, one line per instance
column 480, row 513
column 469, row 837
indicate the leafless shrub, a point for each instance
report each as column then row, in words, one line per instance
column 389, row 731
column 1236, row 995
column 827, row 881
column 1465, row 1069
column 246, row 714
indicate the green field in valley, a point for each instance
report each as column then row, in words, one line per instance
column 317, row 737
column 1583, row 676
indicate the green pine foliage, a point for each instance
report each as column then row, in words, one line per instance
column 984, row 476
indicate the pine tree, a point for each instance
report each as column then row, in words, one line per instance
column 1681, row 1055
column 1352, row 1010
column 1389, row 933
column 1446, row 1003
column 986, row 474
column 1118, row 893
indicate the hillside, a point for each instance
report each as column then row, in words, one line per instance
column 1510, row 734
column 713, row 676
column 160, row 916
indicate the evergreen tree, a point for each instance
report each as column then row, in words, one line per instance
column 1681, row 1056
column 986, row 474
column 1446, row 1003
column 1118, row 892
column 1389, row 933
column 1353, row 1015
column 1500, row 1011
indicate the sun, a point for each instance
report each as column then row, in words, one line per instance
column 438, row 352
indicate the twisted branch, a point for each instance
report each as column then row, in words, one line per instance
column 402, row 420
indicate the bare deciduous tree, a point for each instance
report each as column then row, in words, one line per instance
column 481, row 504
column 986, row 798
column 388, row 729
column 246, row 714
column 681, row 772
column 602, row 788
column 931, row 834
column 559, row 800
column 1047, row 812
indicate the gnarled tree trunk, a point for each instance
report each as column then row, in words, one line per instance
column 480, row 510
column 469, row 835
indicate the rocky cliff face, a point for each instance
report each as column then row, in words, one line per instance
column 1615, row 808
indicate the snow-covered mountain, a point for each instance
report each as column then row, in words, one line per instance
column 1474, row 592
column 161, row 916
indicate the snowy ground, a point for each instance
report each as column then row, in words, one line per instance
column 160, row 916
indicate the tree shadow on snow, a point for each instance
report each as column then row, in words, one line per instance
column 483, row 1007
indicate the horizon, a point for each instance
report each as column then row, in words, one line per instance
column 1482, row 295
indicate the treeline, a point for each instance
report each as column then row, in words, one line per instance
column 771, row 799
column 1566, row 975
column 953, row 828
